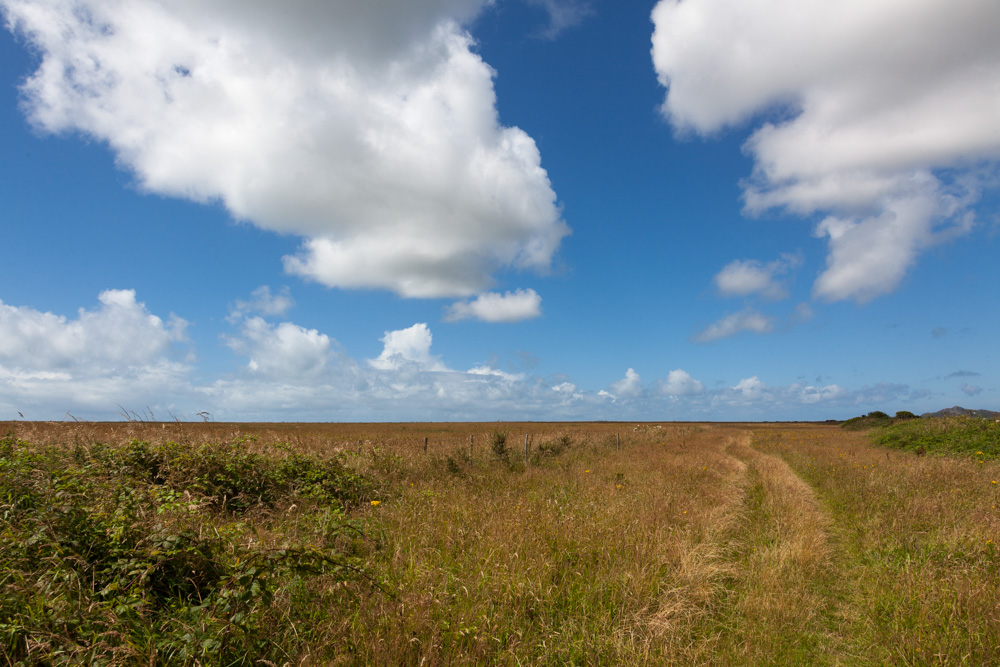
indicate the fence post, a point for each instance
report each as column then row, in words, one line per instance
column 425, row 445
column 618, row 442
column 525, row 447
column 471, row 441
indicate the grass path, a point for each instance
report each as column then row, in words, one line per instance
column 782, row 600
column 917, row 548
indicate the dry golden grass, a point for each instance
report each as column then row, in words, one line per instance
column 708, row 544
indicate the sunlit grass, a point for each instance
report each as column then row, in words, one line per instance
column 689, row 544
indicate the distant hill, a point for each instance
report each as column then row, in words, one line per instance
column 963, row 412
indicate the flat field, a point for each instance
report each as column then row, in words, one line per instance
column 598, row 544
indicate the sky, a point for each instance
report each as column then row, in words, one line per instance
column 498, row 210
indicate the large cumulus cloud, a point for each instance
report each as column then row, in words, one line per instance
column 367, row 128
column 879, row 116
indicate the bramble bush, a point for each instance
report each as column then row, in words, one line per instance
column 129, row 553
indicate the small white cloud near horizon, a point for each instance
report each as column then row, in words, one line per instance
column 750, row 388
column 120, row 353
column 738, row 322
column 743, row 277
column 680, row 383
column 119, row 335
column 629, row 386
column 284, row 351
column 108, row 356
column 408, row 347
column 885, row 125
column 495, row 372
column 522, row 304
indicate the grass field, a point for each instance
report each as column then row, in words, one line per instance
column 607, row 544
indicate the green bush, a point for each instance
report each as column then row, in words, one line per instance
column 119, row 554
column 498, row 443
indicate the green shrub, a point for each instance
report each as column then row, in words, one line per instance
column 498, row 443
column 119, row 554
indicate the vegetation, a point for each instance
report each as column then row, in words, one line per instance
column 122, row 553
column 875, row 419
column 348, row 544
column 943, row 435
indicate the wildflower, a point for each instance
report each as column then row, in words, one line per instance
column 618, row 485
column 376, row 503
column 589, row 471
column 993, row 482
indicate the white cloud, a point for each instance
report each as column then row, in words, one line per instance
column 486, row 370
column 743, row 277
column 971, row 390
column 886, row 111
column 50, row 364
column 119, row 335
column 369, row 129
column 629, row 386
column 869, row 256
column 118, row 352
column 730, row 325
column 750, row 388
column 492, row 307
column 679, row 383
column 408, row 347
column 282, row 351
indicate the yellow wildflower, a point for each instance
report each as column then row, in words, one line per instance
column 376, row 503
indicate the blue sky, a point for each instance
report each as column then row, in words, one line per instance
column 520, row 209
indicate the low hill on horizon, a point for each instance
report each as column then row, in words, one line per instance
column 957, row 411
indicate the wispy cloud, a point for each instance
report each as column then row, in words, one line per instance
column 730, row 325
column 263, row 302
column 563, row 14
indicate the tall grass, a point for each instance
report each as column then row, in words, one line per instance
column 314, row 544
